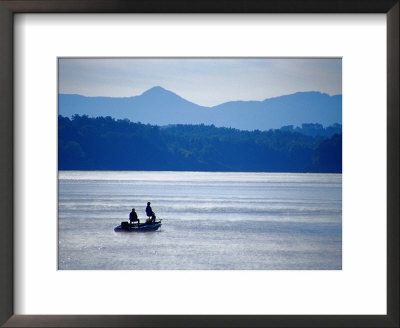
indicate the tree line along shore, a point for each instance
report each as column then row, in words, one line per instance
column 104, row 143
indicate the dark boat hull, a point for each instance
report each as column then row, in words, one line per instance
column 143, row 227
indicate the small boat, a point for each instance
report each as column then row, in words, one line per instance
column 142, row 227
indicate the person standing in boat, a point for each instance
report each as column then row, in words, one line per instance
column 133, row 217
column 150, row 213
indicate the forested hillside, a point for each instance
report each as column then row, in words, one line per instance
column 104, row 143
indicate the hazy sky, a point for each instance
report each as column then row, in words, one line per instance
column 206, row 82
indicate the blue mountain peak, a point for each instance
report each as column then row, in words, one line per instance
column 157, row 90
column 159, row 106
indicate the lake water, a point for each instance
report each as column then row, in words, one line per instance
column 211, row 221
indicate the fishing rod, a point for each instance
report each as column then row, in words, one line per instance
column 161, row 218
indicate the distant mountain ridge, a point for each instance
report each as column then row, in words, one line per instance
column 159, row 106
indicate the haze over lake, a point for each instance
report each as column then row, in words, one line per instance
column 211, row 221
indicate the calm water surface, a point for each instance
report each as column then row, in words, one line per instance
column 211, row 221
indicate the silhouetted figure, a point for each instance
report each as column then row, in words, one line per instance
column 133, row 217
column 150, row 213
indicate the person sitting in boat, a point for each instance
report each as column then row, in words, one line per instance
column 150, row 213
column 133, row 217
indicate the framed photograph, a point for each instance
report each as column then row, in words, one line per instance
column 234, row 185
column 199, row 164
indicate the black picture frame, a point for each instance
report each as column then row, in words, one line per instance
column 10, row 7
